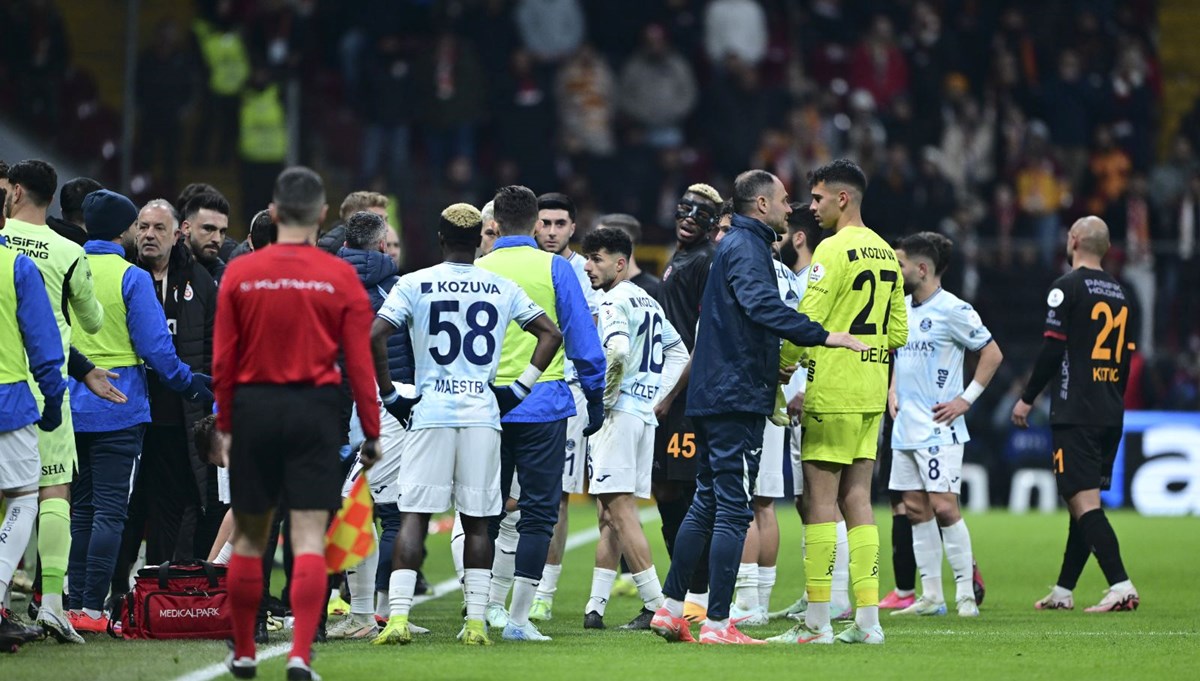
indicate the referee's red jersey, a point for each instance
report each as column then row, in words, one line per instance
column 282, row 314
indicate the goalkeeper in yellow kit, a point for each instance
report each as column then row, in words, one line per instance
column 854, row 284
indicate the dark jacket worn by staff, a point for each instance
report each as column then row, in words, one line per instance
column 191, row 308
column 735, row 363
column 378, row 273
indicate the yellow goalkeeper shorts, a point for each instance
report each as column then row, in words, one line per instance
column 839, row 438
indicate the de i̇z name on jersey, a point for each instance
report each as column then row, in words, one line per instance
column 929, row 369
column 630, row 312
column 457, row 316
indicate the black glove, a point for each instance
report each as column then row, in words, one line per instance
column 509, row 397
column 51, row 413
column 595, row 412
column 401, row 408
column 198, row 390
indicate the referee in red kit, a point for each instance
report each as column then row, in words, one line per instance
column 283, row 313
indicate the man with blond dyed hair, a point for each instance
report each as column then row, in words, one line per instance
column 674, row 472
column 458, row 315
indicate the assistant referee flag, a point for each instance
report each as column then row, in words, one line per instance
column 351, row 535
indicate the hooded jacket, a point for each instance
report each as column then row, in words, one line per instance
column 378, row 273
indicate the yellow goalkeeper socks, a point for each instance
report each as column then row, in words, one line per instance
column 820, row 542
column 54, row 543
column 864, row 564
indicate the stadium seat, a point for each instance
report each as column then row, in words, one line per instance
column 1024, row 483
column 975, row 484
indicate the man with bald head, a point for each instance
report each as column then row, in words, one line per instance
column 1086, row 348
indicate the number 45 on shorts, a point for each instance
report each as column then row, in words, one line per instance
column 682, row 444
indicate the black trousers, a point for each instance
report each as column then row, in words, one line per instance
column 163, row 494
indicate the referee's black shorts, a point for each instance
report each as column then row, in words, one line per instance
column 1083, row 457
column 285, row 448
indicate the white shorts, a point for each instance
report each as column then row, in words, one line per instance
column 770, row 465
column 934, row 469
column 622, row 454
column 223, row 486
column 797, row 467
column 382, row 478
column 441, row 466
column 575, row 465
column 20, row 463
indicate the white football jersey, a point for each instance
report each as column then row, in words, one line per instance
column 929, row 369
column 627, row 310
column 800, row 282
column 457, row 315
column 591, row 295
column 790, row 289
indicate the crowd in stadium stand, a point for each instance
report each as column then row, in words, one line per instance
column 997, row 124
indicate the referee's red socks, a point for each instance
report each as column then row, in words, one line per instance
column 245, row 579
column 309, row 585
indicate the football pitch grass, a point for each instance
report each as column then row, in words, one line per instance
column 1019, row 556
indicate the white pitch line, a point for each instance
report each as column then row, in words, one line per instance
column 1057, row 634
column 574, row 541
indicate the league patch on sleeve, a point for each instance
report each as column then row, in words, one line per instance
column 1055, row 298
column 816, row 272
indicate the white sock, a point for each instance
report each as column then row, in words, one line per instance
column 716, row 624
column 817, row 616
column 1119, row 587
column 1057, row 592
column 53, row 602
column 504, row 564
column 696, row 599
column 458, row 538
column 602, row 583
column 839, row 595
column 866, row 616
column 549, row 584
column 927, row 550
column 957, row 540
column 17, row 526
column 361, row 581
column 401, row 586
column 649, row 588
column 382, row 607
column 524, row 590
column 475, row 590
column 335, row 593
column 94, row 614
column 224, row 554
column 745, row 587
column 766, row 582
column 674, row 607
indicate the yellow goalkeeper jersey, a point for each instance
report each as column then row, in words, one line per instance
column 854, row 284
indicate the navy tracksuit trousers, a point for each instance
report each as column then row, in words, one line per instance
column 729, row 448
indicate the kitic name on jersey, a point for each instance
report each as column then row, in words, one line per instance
column 460, row 287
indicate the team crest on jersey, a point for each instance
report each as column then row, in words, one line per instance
column 816, row 272
column 1055, row 298
column 570, row 444
column 187, row 292
column 926, row 324
column 933, row 451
